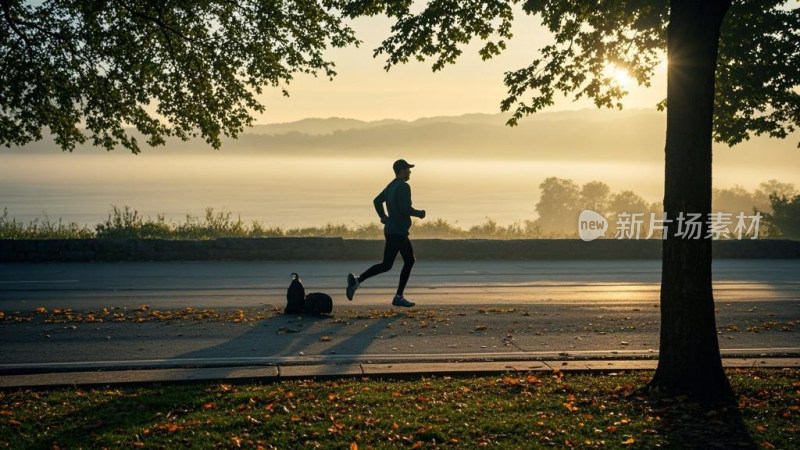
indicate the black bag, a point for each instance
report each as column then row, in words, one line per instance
column 295, row 296
column 318, row 303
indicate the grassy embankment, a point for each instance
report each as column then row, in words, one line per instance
column 516, row 410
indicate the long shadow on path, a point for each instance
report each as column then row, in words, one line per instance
column 305, row 338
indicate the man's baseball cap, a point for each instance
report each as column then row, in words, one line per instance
column 401, row 164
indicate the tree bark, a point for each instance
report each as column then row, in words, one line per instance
column 689, row 359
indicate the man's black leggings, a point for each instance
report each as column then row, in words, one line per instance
column 394, row 243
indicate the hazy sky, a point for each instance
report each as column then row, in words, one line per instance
column 364, row 90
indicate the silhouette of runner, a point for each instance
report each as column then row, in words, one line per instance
column 397, row 196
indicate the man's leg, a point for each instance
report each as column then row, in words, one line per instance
column 407, row 252
column 389, row 254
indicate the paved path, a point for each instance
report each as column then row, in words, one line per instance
column 242, row 284
column 468, row 312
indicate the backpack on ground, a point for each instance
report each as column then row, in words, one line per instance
column 295, row 296
column 318, row 303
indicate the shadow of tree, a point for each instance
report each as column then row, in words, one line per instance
column 685, row 424
column 690, row 425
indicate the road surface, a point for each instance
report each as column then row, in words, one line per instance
column 466, row 309
column 242, row 284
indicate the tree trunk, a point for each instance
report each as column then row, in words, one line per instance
column 689, row 359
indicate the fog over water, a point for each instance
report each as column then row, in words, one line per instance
column 295, row 192
column 469, row 168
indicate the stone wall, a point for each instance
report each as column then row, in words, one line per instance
column 251, row 249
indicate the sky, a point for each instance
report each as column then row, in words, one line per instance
column 364, row 90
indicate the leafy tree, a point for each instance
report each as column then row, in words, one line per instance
column 558, row 205
column 595, row 196
column 737, row 199
column 733, row 71
column 628, row 201
column 784, row 220
column 86, row 69
column 631, row 203
column 776, row 187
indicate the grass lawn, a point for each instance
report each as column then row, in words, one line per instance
column 515, row 410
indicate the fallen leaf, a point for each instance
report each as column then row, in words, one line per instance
column 353, row 446
column 169, row 427
column 480, row 327
column 325, row 338
column 571, row 407
column 628, row 441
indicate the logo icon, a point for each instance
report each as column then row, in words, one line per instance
column 591, row 225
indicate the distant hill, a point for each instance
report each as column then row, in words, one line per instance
column 316, row 126
column 631, row 135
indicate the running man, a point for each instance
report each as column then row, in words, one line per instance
column 397, row 196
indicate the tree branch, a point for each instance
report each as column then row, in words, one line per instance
column 12, row 24
column 163, row 26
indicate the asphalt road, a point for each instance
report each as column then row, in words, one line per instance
column 466, row 310
column 242, row 284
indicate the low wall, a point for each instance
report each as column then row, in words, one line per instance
column 253, row 249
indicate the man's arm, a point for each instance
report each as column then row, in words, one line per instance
column 404, row 202
column 378, row 203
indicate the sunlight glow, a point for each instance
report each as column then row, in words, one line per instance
column 619, row 76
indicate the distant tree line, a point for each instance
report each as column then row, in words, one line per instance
column 562, row 200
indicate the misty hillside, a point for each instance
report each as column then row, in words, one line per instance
column 315, row 126
column 631, row 135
